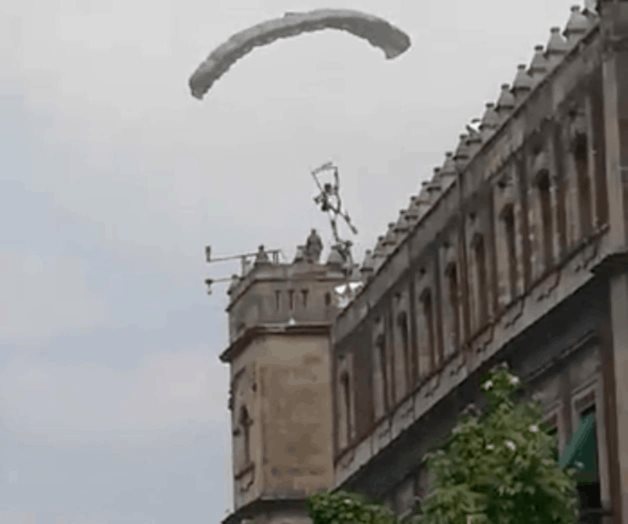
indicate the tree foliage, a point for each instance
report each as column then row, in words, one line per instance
column 498, row 467
column 345, row 508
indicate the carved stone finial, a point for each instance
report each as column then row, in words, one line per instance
column 523, row 82
column 577, row 26
column 379, row 250
column 506, row 101
column 336, row 257
column 556, row 48
column 462, row 151
column 539, row 65
column 490, row 119
column 390, row 239
column 402, row 226
column 368, row 265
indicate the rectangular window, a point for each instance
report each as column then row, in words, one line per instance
column 428, row 316
column 304, row 294
column 589, row 484
column 454, row 307
column 345, row 385
column 547, row 223
column 599, row 157
column 481, row 280
column 581, row 159
column 510, row 233
column 402, row 323
column 245, row 425
column 383, row 370
column 291, row 299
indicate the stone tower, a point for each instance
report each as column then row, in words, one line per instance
column 280, row 317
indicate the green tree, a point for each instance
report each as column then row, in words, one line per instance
column 498, row 467
column 345, row 508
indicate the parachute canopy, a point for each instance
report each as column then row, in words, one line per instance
column 376, row 31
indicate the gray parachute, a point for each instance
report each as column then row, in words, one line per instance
column 376, row 31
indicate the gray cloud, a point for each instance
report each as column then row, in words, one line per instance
column 36, row 285
column 70, row 404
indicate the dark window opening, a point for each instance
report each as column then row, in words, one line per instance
column 304, row 294
column 508, row 219
column 346, row 397
column 454, row 303
column 481, row 280
column 291, row 299
column 402, row 322
column 327, row 299
column 547, row 226
column 589, row 491
column 245, row 423
column 599, row 153
column 381, row 353
column 428, row 315
column 581, row 158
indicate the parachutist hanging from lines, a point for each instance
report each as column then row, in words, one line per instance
column 330, row 202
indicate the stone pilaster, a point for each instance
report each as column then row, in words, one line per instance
column 615, row 69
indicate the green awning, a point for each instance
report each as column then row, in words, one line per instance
column 581, row 451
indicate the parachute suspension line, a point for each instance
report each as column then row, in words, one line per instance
column 330, row 202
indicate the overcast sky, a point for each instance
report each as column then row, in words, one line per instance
column 113, row 404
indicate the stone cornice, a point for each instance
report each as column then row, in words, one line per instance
column 244, row 339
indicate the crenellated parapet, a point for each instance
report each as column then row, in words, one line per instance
column 497, row 117
column 509, row 225
column 275, row 293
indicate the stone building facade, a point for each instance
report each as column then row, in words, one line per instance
column 516, row 251
column 280, row 319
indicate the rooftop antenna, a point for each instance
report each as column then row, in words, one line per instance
column 330, row 202
column 247, row 261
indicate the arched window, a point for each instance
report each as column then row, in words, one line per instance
column 510, row 235
column 304, row 295
column 543, row 185
column 402, row 324
column 453, row 292
column 383, row 370
column 245, row 424
column 428, row 316
column 481, row 280
column 291, row 298
column 345, row 385
column 581, row 160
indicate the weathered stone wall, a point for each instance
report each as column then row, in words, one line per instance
column 280, row 398
column 275, row 293
column 283, row 382
column 295, row 393
column 497, row 255
column 559, row 359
